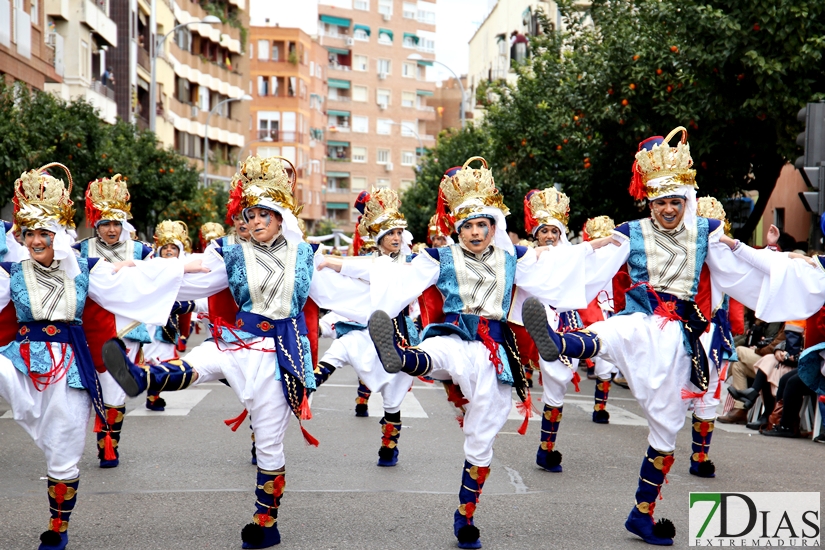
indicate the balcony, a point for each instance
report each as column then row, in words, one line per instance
column 144, row 59
column 105, row 91
column 278, row 136
column 58, row 9
column 338, row 67
column 98, row 20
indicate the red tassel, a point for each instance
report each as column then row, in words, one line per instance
column 98, row 425
column 308, row 437
column 704, row 427
column 108, row 448
column 236, row 422
column 724, row 374
column 529, row 220
column 576, row 380
column 687, row 394
column 526, row 409
column 637, row 185
column 590, row 364
column 455, row 396
column 460, row 419
column 444, row 221
column 484, row 334
column 718, row 392
column 357, row 241
column 306, row 412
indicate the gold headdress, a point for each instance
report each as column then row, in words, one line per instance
column 381, row 214
column 211, row 231
column 266, row 182
column 542, row 206
column 107, row 199
column 598, row 227
column 41, row 200
column 469, row 190
column 669, row 166
column 709, row 207
column 172, row 232
column 436, row 229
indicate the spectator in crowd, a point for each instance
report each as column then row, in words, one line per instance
column 769, row 371
column 108, row 78
column 784, row 422
column 761, row 341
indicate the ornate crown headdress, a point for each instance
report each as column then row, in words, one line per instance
column 381, row 212
column 542, row 206
column 657, row 160
column 709, row 207
column 40, row 199
column 107, row 199
column 172, row 232
column 468, row 190
column 598, row 227
column 209, row 232
column 263, row 180
column 436, row 228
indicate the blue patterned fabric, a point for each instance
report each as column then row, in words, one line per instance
column 139, row 334
column 810, row 363
column 4, row 248
column 343, row 328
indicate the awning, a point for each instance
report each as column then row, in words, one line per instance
column 420, row 150
column 364, row 28
column 425, row 62
column 332, row 20
column 501, row 37
column 385, row 31
column 411, row 35
column 338, row 143
column 337, row 206
column 424, row 92
column 341, row 51
column 336, row 83
column 333, row 112
column 337, row 174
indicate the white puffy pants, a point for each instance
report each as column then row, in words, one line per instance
column 555, row 376
column 251, row 373
column 468, row 365
column 113, row 394
column 56, row 418
column 356, row 349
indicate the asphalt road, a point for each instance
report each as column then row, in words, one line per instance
column 185, row 481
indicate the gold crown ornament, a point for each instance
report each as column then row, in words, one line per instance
column 211, row 231
column 469, row 190
column 598, row 227
column 542, row 206
column 168, row 232
column 671, row 167
column 41, row 200
column 436, row 229
column 107, row 199
column 381, row 213
column 266, row 180
column 709, row 207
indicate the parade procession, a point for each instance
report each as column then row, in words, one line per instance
column 412, row 274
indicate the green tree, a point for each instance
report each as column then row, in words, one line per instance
column 207, row 205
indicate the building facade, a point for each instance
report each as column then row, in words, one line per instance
column 29, row 53
column 447, row 104
column 288, row 73
column 378, row 53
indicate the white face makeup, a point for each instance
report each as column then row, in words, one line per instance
column 40, row 244
column 548, row 235
column 109, row 231
column 477, row 234
column 263, row 224
column 668, row 212
column 390, row 243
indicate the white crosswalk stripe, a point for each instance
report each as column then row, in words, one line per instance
column 410, row 407
column 178, row 403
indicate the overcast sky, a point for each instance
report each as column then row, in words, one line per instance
column 456, row 22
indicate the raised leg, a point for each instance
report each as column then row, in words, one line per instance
column 580, row 344
column 394, row 356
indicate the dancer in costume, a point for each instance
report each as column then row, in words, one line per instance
column 108, row 210
column 382, row 222
column 171, row 241
column 209, row 233
column 473, row 348
column 438, row 234
column 265, row 355
column 654, row 340
column 47, row 374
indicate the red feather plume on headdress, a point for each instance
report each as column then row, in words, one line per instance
column 92, row 213
column 233, row 207
column 357, row 241
column 530, row 222
column 585, row 234
column 445, row 221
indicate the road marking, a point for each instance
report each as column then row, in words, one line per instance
column 516, row 481
column 410, row 407
column 618, row 415
column 8, row 414
column 178, row 403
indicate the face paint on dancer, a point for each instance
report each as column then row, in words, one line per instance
column 39, row 242
column 439, row 241
column 548, row 235
column 263, row 224
column 477, row 234
column 240, row 227
column 668, row 212
column 390, row 243
column 169, row 251
column 109, row 231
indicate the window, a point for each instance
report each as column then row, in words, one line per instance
column 292, row 82
column 273, row 82
column 382, row 156
column 426, row 44
column 84, row 59
column 264, row 152
column 384, row 37
column 263, row 86
column 383, row 126
column 359, row 93
column 360, row 63
column 408, row 128
column 385, row 7
column 359, row 154
column 425, row 16
column 33, row 13
column 421, row 72
column 407, row 158
column 361, row 34
column 383, row 96
column 263, row 50
column 779, row 218
column 384, row 66
column 318, row 71
column 358, row 184
column 409, row 41
column 408, row 99
column 361, row 124
column 363, row 5
column 203, row 98
column 408, row 70
column 406, row 184
column 382, row 182
column 409, row 10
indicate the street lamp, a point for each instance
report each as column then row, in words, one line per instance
column 245, row 97
column 417, row 57
column 153, row 98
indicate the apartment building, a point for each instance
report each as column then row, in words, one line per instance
column 28, row 53
column 447, row 105
column 288, row 70
column 378, row 100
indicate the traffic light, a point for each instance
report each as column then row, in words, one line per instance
column 810, row 164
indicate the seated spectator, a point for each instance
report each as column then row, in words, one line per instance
column 769, row 371
column 761, row 341
column 789, row 396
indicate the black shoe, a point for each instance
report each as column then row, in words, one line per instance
column 779, row 431
column 382, row 333
column 820, row 438
column 534, row 317
column 757, row 425
column 747, row 397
